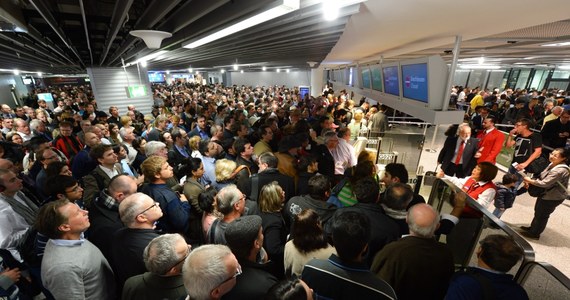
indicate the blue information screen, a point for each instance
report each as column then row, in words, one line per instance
column 304, row 90
column 415, row 82
column 376, row 78
column 366, row 78
column 391, row 83
column 156, row 77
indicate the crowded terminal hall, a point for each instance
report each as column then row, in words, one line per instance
column 284, row 150
column 241, row 192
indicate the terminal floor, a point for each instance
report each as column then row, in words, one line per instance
column 554, row 244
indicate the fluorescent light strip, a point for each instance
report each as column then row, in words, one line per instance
column 146, row 58
column 486, row 67
column 285, row 8
column 557, row 44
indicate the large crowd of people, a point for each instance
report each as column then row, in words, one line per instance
column 246, row 193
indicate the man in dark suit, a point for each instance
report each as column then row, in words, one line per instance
column 99, row 178
column 457, row 157
column 268, row 172
column 179, row 153
column 201, row 129
column 104, row 212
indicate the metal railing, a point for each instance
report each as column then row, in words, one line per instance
column 540, row 280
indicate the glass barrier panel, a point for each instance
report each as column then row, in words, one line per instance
column 465, row 237
column 543, row 281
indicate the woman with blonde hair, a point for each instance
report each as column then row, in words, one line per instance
column 194, row 144
column 227, row 172
column 275, row 231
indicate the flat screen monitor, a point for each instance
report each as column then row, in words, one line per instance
column 415, row 82
column 135, row 91
column 391, row 80
column 156, row 77
column 47, row 97
column 304, row 90
column 376, row 78
column 365, row 71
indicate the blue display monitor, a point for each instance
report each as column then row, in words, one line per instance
column 391, row 80
column 47, row 97
column 156, row 77
column 424, row 82
column 415, row 82
column 365, row 77
column 376, row 78
column 304, row 90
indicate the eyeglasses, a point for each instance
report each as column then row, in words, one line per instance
column 50, row 157
column 238, row 272
column 155, row 204
column 184, row 258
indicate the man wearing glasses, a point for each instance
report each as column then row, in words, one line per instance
column 164, row 257
column 203, row 269
column 139, row 214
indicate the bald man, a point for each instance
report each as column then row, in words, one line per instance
column 417, row 266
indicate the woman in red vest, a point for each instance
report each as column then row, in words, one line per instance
column 478, row 186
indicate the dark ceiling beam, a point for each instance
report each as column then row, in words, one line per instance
column 27, row 46
column 43, row 9
column 32, row 14
column 188, row 13
column 119, row 14
column 22, row 53
column 84, row 21
column 226, row 15
column 37, row 36
column 151, row 16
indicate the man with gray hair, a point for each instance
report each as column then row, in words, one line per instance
column 156, row 148
column 38, row 128
column 457, row 156
column 128, row 136
column 163, row 257
column 210, row 272
column 324, row 155
column 417, row 266
column 139, row 214
column 231, row 203
column 554, row 114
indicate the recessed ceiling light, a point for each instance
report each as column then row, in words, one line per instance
column 264, row 68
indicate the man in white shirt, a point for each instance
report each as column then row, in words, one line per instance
column 17, row 212
column 100, row 177
column 23, row 129
column 344, row 154
column 128, row 136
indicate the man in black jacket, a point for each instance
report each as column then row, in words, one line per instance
column 383, row 229
column 267, row 173
column 245, row 238
column 104, row 212
column 138, row 213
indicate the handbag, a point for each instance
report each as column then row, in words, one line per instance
column 538, row 165
column 535, row 191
